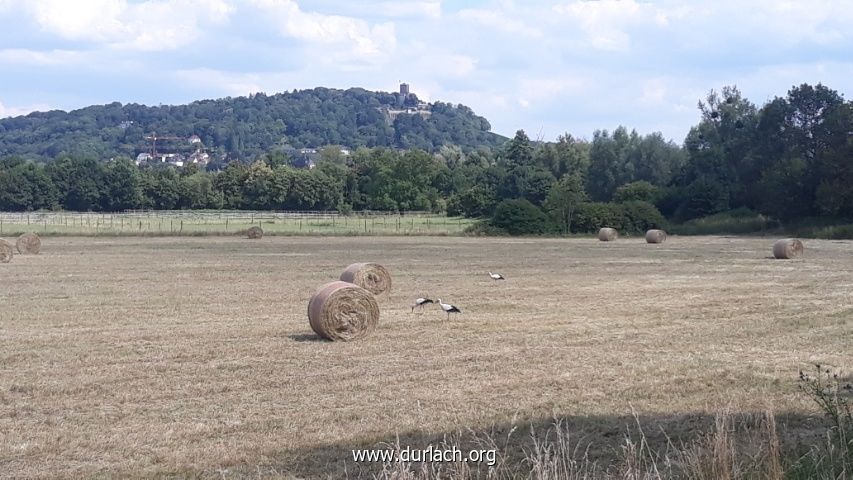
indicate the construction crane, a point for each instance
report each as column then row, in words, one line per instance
column 154, row 137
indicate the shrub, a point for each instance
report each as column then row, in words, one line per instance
column 345, row 209
column 591, row 216
column 454, row 206
column 438, row 205
column 834, row 459
column 640, row 216
column 629, row 217
column 483, row 228
column 520, row 217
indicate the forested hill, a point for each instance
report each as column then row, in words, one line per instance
column 244, row 127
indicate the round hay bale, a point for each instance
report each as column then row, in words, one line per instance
column 28, row 244
column 655, row 236
column 788, row 248
column 255, row 232
column 343, row 311
column 371, row 276
column 6, row 251
column 607, row 234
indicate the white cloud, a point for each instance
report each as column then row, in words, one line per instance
column 50, row 58
column 823, row 22
column 149, row 25
column 654, row 91
column 499, row 20
column 423, row 9
column 447, row 65
column 227, row 83
column 356, row 36
column 544, row 89
column 604, row 22
column 12, row 111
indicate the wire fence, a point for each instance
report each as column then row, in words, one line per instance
column 195, row 222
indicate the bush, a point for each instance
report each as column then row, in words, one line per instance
column 438, row 206
column 520, row 217
column 345, row 209
column 589, row 217
column 629, row 217
column 640, row 216
column 833, row 459
column 483, row 228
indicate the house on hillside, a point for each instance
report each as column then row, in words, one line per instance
column 142, row 158
column 198, row 158
column 173, row 159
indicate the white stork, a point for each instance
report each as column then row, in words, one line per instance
column 448, row 308
column 420, row 302
column 496, row 276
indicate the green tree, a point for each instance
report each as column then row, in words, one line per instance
column 519, row 152
column 79, row 181
column 603, row 166
column 122, row 186
column 161, row 189
column 566, row 156
column 229, row 185
column 258, row 191
column 25, row 186
column 834, row 194
column 563, row 200
column 640, row 190
column 478, row 201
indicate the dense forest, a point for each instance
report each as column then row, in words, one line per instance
column 246, row 127
column 788, row 160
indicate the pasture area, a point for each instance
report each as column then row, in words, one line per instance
column 192, row 356
column 231, row 222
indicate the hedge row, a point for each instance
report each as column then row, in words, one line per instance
column 521, row 217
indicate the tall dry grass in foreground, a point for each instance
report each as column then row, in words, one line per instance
column 720, row 454
column 738, row 447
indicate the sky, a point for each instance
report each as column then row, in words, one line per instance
column 548, row 67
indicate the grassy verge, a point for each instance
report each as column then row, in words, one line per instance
column 191, row 223
column 745, row 222
column 736, row 222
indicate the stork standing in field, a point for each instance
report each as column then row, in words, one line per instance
column 496, row 276
column 448, row 308
column 420, row 302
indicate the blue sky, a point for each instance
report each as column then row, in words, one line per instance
column 549, row 67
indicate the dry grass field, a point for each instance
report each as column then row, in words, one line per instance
column 193, row 356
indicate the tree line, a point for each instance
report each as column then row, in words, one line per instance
column 791, row 158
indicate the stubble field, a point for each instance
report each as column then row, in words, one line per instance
column 193, row 356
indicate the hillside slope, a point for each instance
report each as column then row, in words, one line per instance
column 244, row 127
